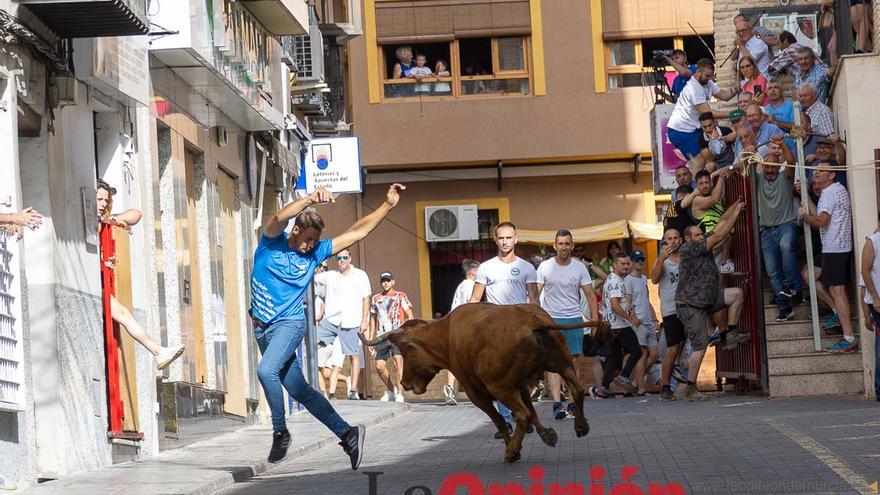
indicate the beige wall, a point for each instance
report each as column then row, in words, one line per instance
column 570, row 121
column 856, row 107
column 535, row 203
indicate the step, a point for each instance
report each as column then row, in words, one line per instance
column 801, row 312
column 814, row 362
column 813, row 384
column 777, row 346
column 793, row 328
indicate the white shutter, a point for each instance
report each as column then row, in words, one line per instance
column 11, row 369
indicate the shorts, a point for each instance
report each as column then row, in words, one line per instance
column 875, row 316
column 835, row 269
column 674, row 330
column 385, row 350
column 686, row 142
column 351, row 343
column 647, row 335
column 575, row 337
column 331, row 356
column 694, row 321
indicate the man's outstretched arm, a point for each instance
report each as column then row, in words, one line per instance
column 365, row 225
column 276, row 225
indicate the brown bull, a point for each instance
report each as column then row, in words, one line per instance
column 496, row 353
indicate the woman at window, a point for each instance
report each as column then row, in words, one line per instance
column 402, row 69
column 751, row 81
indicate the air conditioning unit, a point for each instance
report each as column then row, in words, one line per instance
column 309, row 53
column 451, row 223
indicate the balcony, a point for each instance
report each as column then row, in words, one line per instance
column 91, row 18
column 223, row 53
column 280, row 17
column 341, row 19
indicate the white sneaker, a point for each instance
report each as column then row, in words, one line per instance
column 348, row 385
column 449, row 395
column 387, row 396
column 167, row 355
column 727, row 267
column 398, row 397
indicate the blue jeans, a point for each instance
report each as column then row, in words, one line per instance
column 504, row 411
column 780, row 259
column 279, row 366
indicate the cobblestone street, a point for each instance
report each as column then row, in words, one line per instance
column 727, row 445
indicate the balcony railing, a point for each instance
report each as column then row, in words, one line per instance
column 92, row 18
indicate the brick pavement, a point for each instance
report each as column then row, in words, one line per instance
column 727, row 445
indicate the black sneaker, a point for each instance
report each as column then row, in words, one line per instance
column 353, row 445
column 558, row 411
column 666, row 395
column 797, row 299
column 785, row 315
column 280, row 443
column 787, row 291
column 499, row 436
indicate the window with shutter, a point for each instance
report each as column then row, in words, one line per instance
column 11, row 370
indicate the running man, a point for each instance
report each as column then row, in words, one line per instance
column 506, row 279
column 388, row 311
column 561, row 281
column 284, row 266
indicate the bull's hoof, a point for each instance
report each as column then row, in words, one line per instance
column 512, row 457
column 549, row 437
column 581, row 428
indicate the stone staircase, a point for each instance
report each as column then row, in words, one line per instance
column 796, row 369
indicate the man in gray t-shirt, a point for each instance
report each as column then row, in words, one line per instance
column 777, row 218
column 698, row 296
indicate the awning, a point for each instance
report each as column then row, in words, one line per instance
column 597, row 233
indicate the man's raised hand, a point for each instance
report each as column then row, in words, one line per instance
column 393, row 195
column 321, row 196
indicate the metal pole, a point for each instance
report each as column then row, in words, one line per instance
column 311, row 339
column 808, row 238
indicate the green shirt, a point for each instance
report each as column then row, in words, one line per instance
column 775, row 201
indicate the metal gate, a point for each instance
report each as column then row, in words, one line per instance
column 746, row 362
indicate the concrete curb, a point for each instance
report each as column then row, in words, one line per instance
column 205, row 467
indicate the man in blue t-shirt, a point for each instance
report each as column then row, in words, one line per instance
column 284, row 266
column 679, row 61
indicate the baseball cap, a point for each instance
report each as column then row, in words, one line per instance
column 824, row 140
column 637, row 256
column 736, row 115
column 386, row 275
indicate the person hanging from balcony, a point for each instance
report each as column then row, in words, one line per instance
column 684, row 123
column 283, row 269
column 833, row 217
column 16, row 223
column 707, row 205
column 120, row 314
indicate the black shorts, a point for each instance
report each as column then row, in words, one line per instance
column 674, row 330
column 835, row 269
column 385, row 350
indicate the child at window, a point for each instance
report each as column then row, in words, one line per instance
column 441, row 69
column 419, row 72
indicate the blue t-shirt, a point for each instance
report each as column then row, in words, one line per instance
column 281, row 277
column 783, row 113
column 679, row 82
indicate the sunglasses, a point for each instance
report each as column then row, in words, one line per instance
column 343, row 258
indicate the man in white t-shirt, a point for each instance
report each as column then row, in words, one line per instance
column 625, row 347
column 833, row 217
column 346, row 313
column 506, row 279
column 683, row 128
column 462, row 296
column 638, row 299
column 561, row 282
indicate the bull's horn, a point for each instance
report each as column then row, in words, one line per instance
column 377, row 340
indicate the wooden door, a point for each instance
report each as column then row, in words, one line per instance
column 127, row 359
column 235, row 390
column 192, row 259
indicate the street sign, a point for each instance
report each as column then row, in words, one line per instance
column 334, row 164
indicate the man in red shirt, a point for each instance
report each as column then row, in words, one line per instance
column 388, row 311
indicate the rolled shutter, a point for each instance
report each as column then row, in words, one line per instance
column 442, row 20
column 637, row 19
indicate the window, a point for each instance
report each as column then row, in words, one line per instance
column 628, row 62
column 460, row 68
